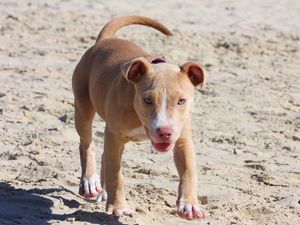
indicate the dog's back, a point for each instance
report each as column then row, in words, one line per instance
column 100, row 65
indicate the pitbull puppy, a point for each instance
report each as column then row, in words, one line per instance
column 139, row 96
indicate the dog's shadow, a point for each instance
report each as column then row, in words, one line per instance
column 21, row 206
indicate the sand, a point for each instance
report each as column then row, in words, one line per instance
column 246, row 122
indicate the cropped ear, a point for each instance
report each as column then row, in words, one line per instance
column 194, row 72
column 135, row 69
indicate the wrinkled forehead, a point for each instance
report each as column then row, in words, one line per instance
column 165, row 78
column 165, row 75
column 169, row 77
column 162, row 69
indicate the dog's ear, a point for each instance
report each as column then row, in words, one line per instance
column 194, row 72
column 135, row 69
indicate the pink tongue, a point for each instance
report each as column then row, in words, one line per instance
column 161, row 146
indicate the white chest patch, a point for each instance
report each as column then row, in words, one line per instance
column 137, row 134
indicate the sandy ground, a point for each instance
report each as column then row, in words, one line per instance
column 246, row 122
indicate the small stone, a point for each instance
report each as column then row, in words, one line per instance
column 214, row 207
column 71, row 219
column 287, row 148
column 26, row 142
column 53, row 129
column 223, row 45
column 144, row 171
column 24, row 107
column 203, row 200
column 41, row 108
column 63, row 118
column 167, row 203
column 296, row 138
column 140, row 210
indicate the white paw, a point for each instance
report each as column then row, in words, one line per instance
column 90, row 187
column 119, row 212
column 102, row 196
column 190, row 211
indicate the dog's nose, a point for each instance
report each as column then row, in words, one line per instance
column 164, row 132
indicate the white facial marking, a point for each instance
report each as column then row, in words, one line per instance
column 163, row 113
column 160, row 70
column 161, row 119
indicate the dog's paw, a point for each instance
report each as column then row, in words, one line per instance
column 90, row 187
column 190, row 211
column 102, row 196
column 116, row 211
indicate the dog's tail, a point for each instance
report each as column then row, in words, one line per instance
column 117, row 23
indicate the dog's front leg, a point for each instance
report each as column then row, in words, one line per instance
column 114, row 180
column 187, row 202
column 90, row 183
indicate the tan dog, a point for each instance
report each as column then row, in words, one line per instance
column 138, row 96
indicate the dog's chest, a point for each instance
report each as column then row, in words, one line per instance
column 137, row 134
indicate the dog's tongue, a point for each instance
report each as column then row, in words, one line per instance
column 163, row 147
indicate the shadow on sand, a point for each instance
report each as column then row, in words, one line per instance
column 21, row 206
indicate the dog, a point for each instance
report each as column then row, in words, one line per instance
column 139, row 96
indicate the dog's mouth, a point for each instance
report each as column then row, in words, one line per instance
column 160, row 146
column 163, row 146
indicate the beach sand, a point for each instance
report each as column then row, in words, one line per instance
column 246, row 121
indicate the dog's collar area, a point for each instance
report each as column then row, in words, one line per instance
column 158, row 60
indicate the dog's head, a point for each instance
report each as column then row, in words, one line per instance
column 164, row 95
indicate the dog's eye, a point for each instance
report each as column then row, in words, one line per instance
column 181, row 101
column 148, row 101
